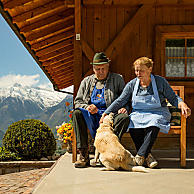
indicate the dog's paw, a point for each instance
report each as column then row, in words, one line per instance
column 139, row 169
column 93, row 162
column 107, row 169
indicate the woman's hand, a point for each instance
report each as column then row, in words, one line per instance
column 122, row 110
column 185, row 110
column 92, row 109
column 102, row 117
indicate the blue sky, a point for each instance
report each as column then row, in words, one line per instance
column 17, row 65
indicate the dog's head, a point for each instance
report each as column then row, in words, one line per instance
column 108, row 119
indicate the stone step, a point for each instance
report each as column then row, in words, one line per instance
column 19, row 166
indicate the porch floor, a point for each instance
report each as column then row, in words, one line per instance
column 167, row 178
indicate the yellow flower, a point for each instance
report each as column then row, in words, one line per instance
column 66, row 132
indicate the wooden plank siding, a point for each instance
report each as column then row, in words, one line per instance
column 139, row 40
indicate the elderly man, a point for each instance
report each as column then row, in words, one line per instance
column 95, row 94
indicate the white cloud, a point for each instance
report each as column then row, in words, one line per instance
column 25, row 80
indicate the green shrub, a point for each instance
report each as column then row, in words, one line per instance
column 6, row 155
column 30, row 139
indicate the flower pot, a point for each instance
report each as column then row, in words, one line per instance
column 67, row 146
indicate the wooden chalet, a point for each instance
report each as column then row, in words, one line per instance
column 63, row 35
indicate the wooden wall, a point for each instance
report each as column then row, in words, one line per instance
column 102, row 24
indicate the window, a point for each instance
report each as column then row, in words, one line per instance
column 174, row 51
column 179, row 57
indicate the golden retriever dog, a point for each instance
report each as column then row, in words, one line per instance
column 112, row 154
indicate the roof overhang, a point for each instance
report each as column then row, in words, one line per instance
column 46, row 29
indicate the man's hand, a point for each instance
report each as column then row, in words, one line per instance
column 185, row 110
column 92, row 109
column 122, row 110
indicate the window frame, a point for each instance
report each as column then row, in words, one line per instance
column 164, row 32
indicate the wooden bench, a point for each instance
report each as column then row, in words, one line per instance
column 181, row 130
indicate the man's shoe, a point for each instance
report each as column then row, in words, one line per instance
column 84, row 160
column 139, row 160
column 151, row 161
column 82, row 163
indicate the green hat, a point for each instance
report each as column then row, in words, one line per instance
column 99, row 59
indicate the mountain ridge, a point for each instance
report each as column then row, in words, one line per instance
column 44, row 97
column 21, row 102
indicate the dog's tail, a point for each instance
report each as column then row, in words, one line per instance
column 139, row 169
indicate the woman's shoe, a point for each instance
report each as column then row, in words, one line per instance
column 139, row 160
column 151, row 161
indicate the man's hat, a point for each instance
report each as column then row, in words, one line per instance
column 99, row 59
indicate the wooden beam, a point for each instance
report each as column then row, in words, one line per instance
column 77, row 47
column 65, row 84
column 56, row 53
column 32, row 5
column 136, row 2
column 60, row 35
column 64, row 16
column 68, row 76
column 59, row 63
column 43, row 16
column 89, row 72
column 77, row 67
column 49, row 30
column 61, row 72
column 118, row 42
column 59, row 58
column 66, row 66
column 36, row 8
column 54, row 47
column 88, row 51
column 63, row 80
column 12, row 4
column 186, row 30
column 52, row 40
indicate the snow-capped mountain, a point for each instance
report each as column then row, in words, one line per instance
column 44, row 98
column 21, row 102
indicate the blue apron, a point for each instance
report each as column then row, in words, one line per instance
column 147, row 110
column 92, row 120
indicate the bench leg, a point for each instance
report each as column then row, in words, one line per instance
column 74, row 148
column 183, row 143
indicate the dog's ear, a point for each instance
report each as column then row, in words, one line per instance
column 111, row 123
column 111, row 115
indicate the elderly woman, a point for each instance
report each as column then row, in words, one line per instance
column 150, row 114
